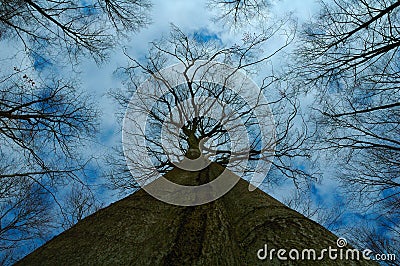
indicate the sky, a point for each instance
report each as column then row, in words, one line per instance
column 191, row 17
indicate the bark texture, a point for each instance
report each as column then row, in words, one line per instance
column 141, row 230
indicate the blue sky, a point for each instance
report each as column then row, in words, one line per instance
column 193, row 18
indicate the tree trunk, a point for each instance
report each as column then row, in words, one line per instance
column 140, row 230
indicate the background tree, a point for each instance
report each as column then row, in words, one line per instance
column 47, row 120
column 25, row 216
column 43, row 126
column 40, row 124
column 240, row 12
column 74, row 28
column 348, row 60
column 79, row 203
column 302, row 200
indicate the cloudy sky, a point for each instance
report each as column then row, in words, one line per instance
column 190, row 17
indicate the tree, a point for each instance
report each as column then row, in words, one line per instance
column 348, row 59
column 74, row 28
column 240, row 12
column 25, row 216
column 183, row 122
column 43, row 126
column 79, row 202
column 302, row 200
column 39, row 118
column 36, row 106
column 349, row 36
column 46, row 120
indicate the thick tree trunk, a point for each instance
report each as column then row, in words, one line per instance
column 140, row 230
